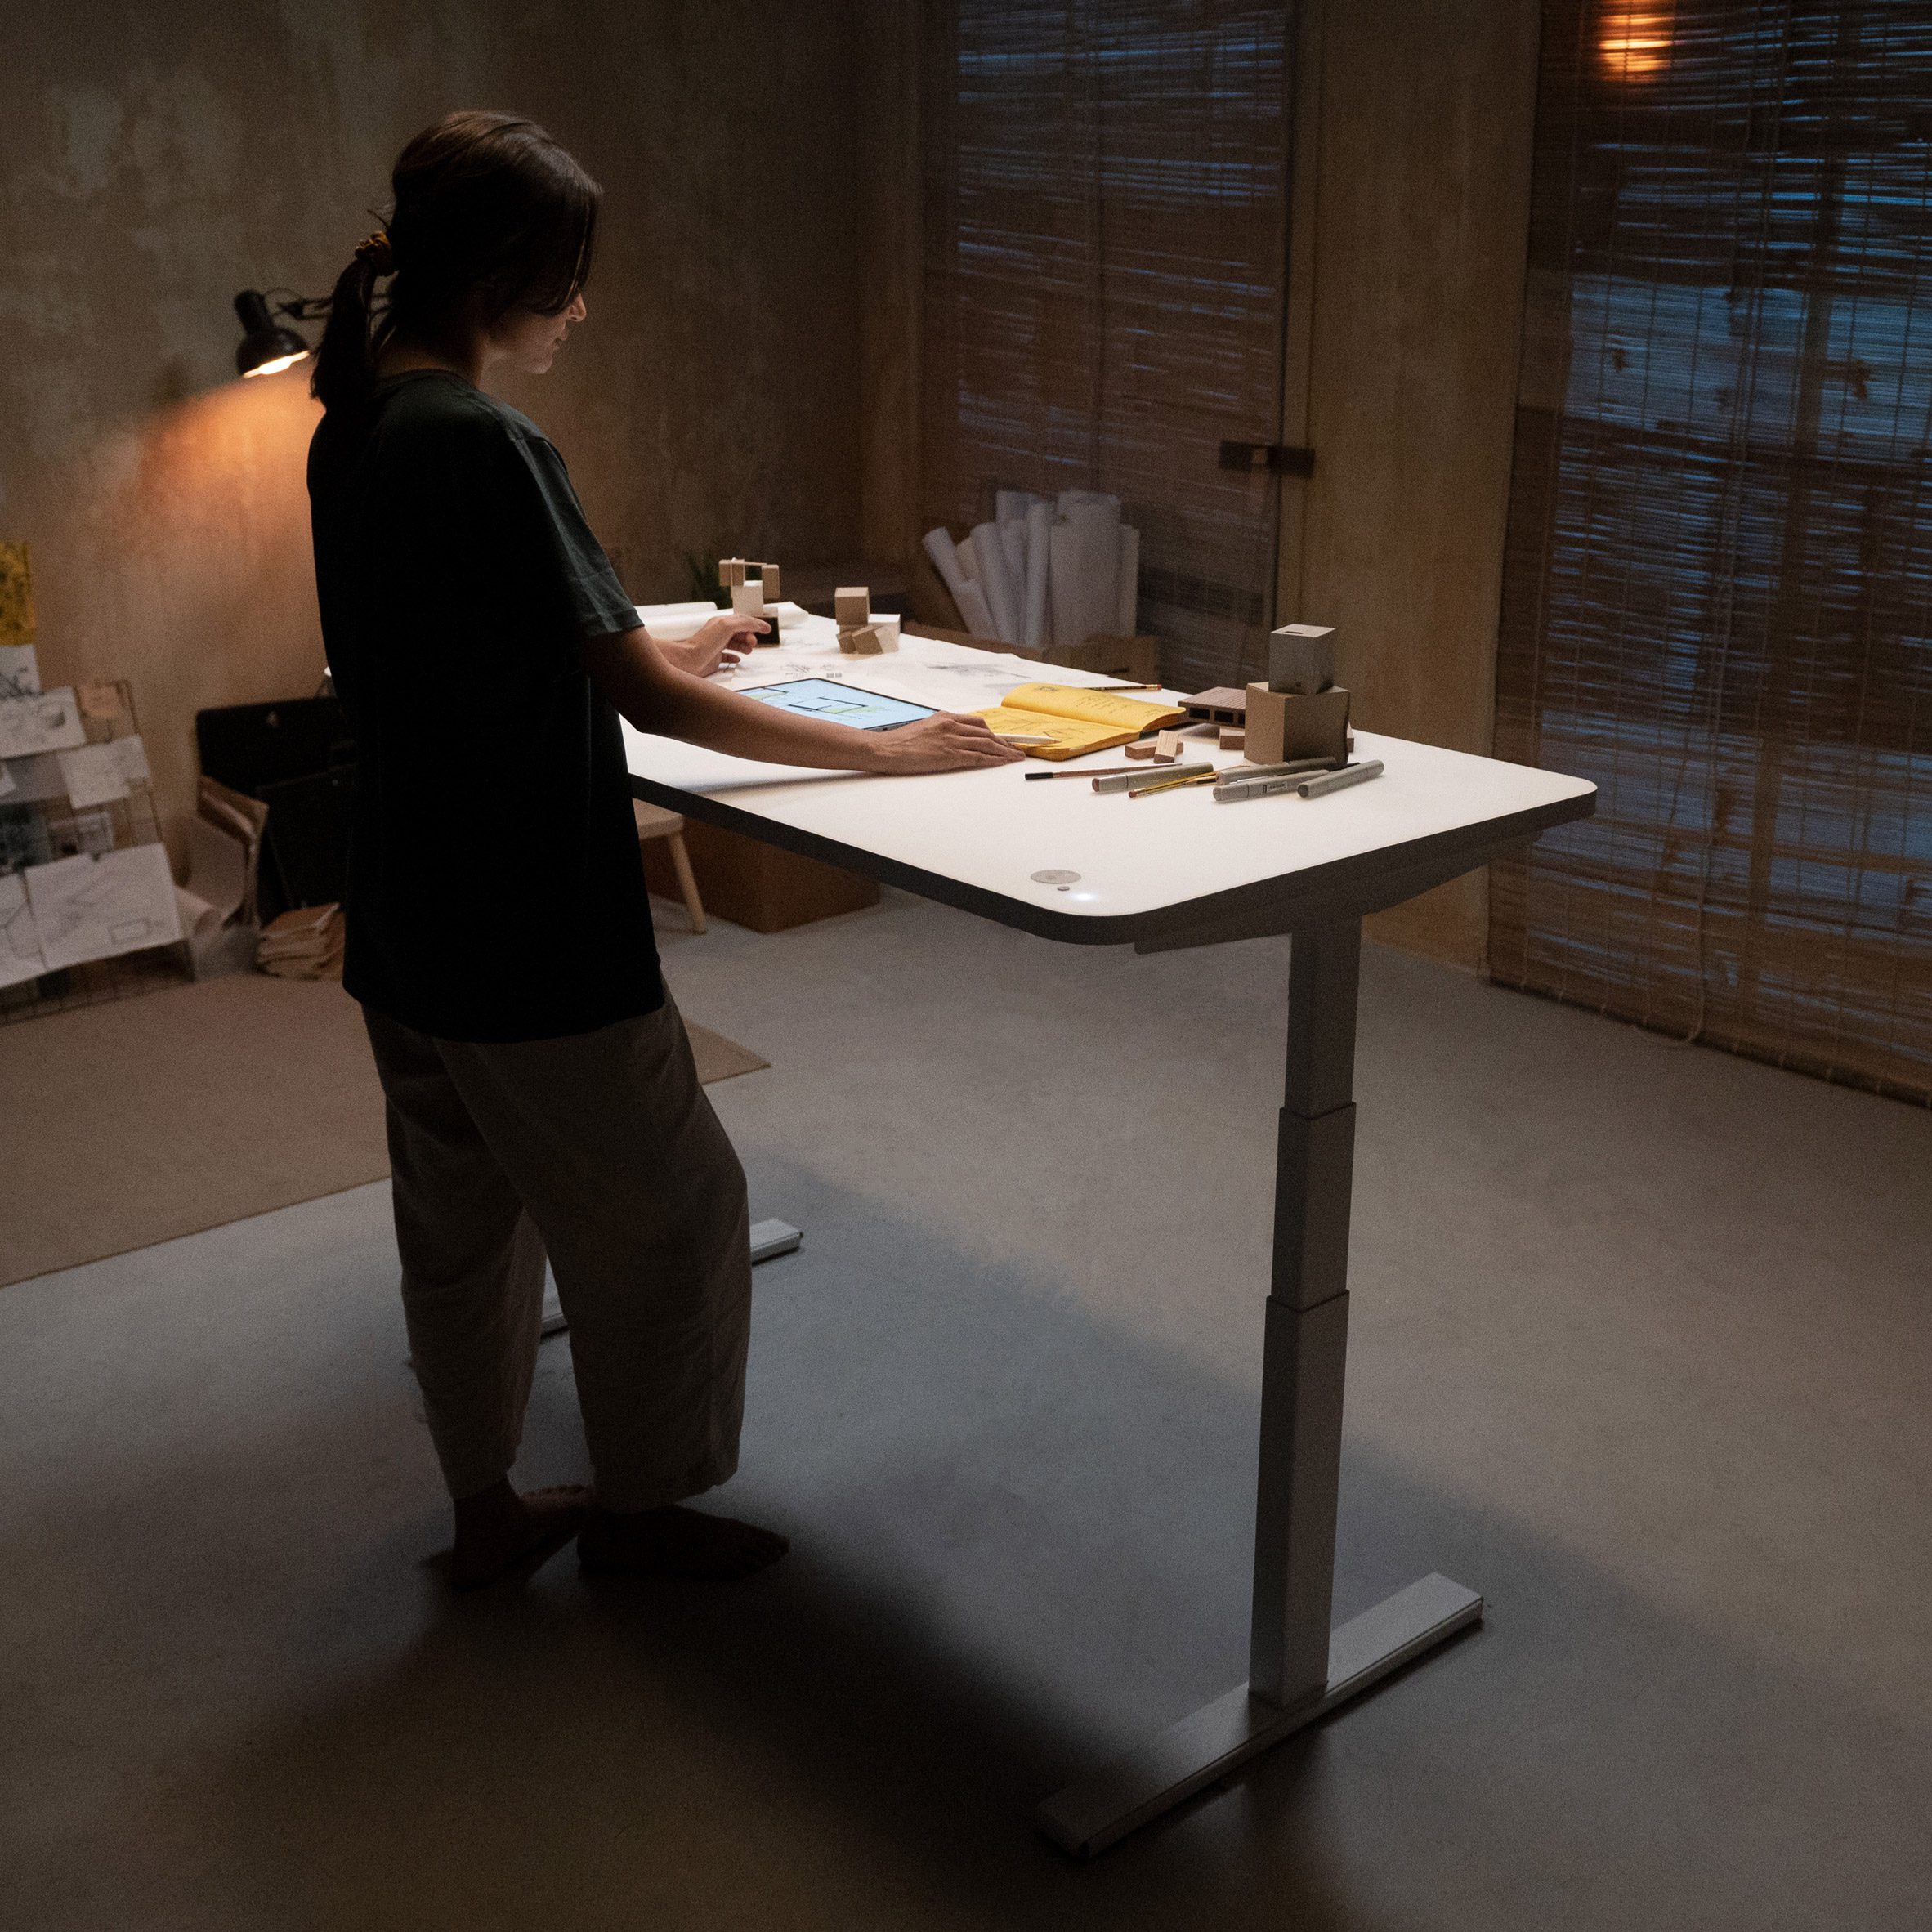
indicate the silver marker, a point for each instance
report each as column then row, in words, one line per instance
column 1132, row 781
column 1333, row 781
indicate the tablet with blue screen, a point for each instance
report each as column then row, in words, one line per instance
column 843, row 703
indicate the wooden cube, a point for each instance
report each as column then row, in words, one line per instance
column 768, row 582
column 851, row 605
column 1284, row 725
column 748, row 600
column 1301, row 658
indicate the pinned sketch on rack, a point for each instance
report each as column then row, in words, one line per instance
column 98, row 908
column 20, row 938
column 51, row 722
column 20, row 671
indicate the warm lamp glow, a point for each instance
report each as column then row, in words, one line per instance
column 275, row 367
column 266, row 345
column 1634, row 43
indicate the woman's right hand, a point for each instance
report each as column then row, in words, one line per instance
column 944, row 742
column 717, row 644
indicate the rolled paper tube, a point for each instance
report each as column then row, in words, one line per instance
column 946, row 560
column 1127, row 588
column 1034, row 634
column 989, row 557
column 973, row 608
column 1012, row 541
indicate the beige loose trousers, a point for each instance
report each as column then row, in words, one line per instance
column 602, row 1149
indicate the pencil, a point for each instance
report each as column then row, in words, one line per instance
column 1097, row 772
column 1173, row 784
column 1141, row 777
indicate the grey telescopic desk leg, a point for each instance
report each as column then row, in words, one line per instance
column 1298, row 1669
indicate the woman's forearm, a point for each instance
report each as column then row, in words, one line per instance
column 632, row 672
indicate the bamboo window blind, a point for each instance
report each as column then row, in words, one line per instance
column 1718, row 581
column 1105, row 245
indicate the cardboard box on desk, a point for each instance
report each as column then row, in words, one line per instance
column 1283, row 725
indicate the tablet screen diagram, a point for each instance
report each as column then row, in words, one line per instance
column 819, row 697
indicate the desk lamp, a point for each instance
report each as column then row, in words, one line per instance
column 266, row 345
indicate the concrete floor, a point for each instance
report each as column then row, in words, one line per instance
column 1640, row 1348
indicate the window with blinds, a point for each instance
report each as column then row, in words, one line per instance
column 1105, row 225
column 1718, row 588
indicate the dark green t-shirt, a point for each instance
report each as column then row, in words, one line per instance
column 495, row 891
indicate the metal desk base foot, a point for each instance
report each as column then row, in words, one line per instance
column 1104, row 1806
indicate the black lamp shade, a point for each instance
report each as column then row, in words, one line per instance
column 266, row 345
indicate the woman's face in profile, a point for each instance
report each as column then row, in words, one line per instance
column 529, row 342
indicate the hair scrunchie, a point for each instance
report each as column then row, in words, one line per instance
column 378, row 252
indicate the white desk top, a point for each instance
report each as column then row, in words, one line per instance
column 1145, row 868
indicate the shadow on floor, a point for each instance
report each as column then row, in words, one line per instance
column 987, row 1595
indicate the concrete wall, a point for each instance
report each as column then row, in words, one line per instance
column 156, row 160
column 1416, row 124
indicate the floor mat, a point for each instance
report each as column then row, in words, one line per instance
column 143, row 1118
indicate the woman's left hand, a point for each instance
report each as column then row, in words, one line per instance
column 716, row 645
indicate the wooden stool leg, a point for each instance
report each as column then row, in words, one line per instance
column 687, row 883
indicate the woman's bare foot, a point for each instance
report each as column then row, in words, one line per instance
column 675, row 1541
column 498, row 1530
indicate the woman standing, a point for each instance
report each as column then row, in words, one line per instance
column 540, row 1090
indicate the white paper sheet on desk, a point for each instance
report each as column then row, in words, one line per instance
column 20, row 671
column 97, row 908
column 20, row 938
column 49, row 722
column 92, row 775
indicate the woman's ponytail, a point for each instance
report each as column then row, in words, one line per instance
column 490, row 214
column 346, row 363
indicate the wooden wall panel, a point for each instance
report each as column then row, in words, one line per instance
column 1416, row 124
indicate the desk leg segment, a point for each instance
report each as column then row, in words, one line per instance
column 1297, row 1669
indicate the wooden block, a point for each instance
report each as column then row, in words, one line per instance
column 1223, row 704
column 730, row 572
column 768, row 582
column 748, row 600
column 869, row 640
column 1301, row 658
column 1167, row 746
column 1284, row 725
column 754, row 884
column 1143, row 748
column 1233, row 738
column 851, row 605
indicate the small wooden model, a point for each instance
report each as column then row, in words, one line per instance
column 752, row 597
column 858, row 636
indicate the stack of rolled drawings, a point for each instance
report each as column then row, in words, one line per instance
column 1044, row 576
